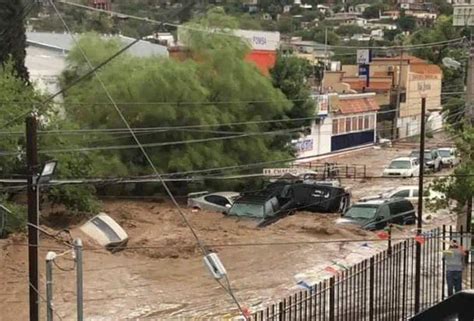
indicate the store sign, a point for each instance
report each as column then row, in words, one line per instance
column 304, row 145
column 282, row 171
column 363, row 72
column 363, row 56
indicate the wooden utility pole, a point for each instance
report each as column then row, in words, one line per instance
column 420, row 207
column 32, row 164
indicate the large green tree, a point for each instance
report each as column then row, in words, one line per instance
column 216, row 86
column 12, row 36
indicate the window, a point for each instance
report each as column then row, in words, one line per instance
column 354, row 123
column 415, row 192
column 334, row 127
column 384, row 212
column 218, row 200
column 371, row 122
column 348, row 124
column 366, row 122
column 401, row 207
column 342, row 126
column 361, row 122
column 402, row 193
column 403, row 97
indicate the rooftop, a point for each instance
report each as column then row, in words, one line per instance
column 63, row 42
column 357, row 103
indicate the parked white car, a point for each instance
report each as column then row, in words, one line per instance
column 448, row 157
column 403, row 167
column 215, row 202
column 409, row 192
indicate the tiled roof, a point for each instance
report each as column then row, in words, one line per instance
column 426, row 69
column 373, row 85
column 358, row 105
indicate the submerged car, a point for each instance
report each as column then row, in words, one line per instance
column 267, row 206
column 216, row 202
column 409, row 192
column 448, row 157
column 377, row 214
column 403, row 167
column 432, row 159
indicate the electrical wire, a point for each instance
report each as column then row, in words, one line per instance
column 215, row 32
column 142, row 148
column 45, row 301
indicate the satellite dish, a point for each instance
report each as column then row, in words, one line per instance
column 451, row 63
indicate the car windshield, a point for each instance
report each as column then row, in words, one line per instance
column 444, row 153
column 361, row 212
column 400, row 164
column 428, row 155
column 247, row 210
column 415, row 154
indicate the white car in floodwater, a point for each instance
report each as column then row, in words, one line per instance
column 402, row 167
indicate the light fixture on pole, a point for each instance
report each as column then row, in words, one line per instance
column 47, row 172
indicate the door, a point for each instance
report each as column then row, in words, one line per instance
column 383, row 217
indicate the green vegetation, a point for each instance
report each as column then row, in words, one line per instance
column 12, row 36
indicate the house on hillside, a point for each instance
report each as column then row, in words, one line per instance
column 343, row 121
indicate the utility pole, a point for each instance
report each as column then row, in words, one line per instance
column 79, row 279
column 470, row 85
column 420, row 207
column 33, row 237
column 399, row 91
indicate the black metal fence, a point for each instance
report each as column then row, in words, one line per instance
column 379, row 288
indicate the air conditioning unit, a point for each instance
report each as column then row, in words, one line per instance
column 105, row 231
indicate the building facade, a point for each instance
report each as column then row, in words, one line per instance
column 343, row 122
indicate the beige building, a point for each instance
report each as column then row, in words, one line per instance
column 417, row 78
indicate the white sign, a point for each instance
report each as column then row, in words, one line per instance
column 281, row 171
column 363, row 56
column 304, row 145
column 260, row 40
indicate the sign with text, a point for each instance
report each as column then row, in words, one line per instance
column 304, row 145
column 363, row 56
column 281, row 171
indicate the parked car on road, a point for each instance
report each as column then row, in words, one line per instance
column 403, row 167
column 448, row 157
column 216, row 202
column 377, row 214
column 432, row 159
column 409, row 192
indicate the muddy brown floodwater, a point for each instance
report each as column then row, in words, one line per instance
column 161, row 276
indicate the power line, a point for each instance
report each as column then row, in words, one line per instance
column 147, row 157
column 216, row 32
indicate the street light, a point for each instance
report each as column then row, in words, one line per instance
column 47, row 172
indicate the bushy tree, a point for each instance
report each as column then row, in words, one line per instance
column 216, row 86
column 12, row 36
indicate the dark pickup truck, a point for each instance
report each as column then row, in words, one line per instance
column 280, row 199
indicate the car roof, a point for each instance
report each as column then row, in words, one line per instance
column 446, row 148
column 381, row 201
column 402, row 159
column 224, row 194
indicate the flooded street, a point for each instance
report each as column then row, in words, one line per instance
column 161, row 276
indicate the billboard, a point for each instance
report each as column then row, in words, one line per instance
column 260, row 40
column 304, row 145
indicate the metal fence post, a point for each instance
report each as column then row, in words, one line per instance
column 443, row 266
column 371, row 288
column 332, row 305
column 79, row 279
column 49, row 285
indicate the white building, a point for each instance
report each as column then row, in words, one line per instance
column 343, row 122
column 46, row 56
